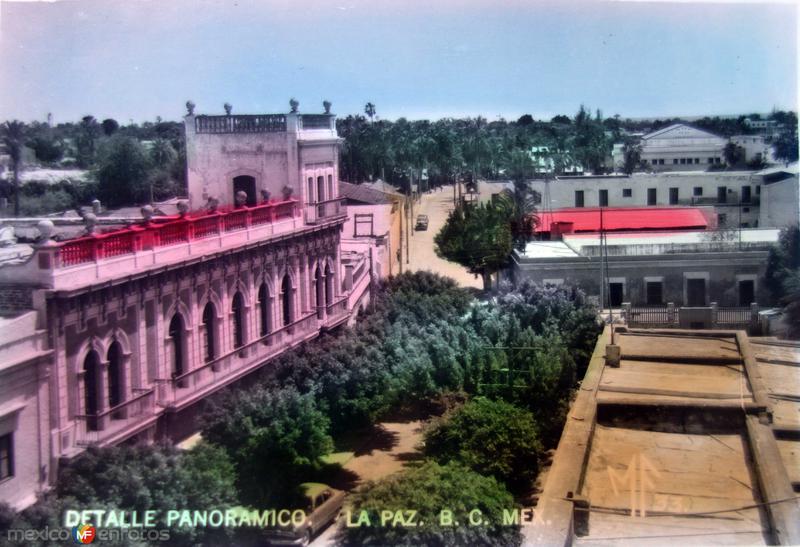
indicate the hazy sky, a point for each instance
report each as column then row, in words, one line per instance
column 138, row 59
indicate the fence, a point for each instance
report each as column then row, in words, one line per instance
column 707, row 317
column 171, row 232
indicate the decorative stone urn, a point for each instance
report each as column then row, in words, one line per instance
column 265, row 195
column 90, row 221
column 45, row 230
column 327, row 106
column 189, row 108
column 294, row 104
column 287, row 192
column 228, row 108
column 240, row 198
column 212, row 204
column 147, row 213
column 183, row 207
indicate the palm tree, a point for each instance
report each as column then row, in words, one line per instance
column 13, row 137
column 519, row 201
column 369, row 110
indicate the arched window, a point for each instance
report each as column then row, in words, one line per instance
column 116, row 378
column 246, row 184
column 319, row 286
column 91, row 379
column 263, row 310
column 320, row 188
column 286, row 298
column 328, row 285
column 311, row 190
column 238, row 320
column 176, row 335
column 330, row 187
column 210, row 330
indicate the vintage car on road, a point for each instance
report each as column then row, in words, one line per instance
column 323, row 505
column 422, row 222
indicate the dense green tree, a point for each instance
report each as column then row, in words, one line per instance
column 477, row 237
column 123, row 172
column 785, row 146
column 266, row 430
column 13, row 134
column 110, row 126
column 88, row 132
column 157, row 478
column 492, row 438
column 589, row 142
column 429, row 489
column 734, row 154
column 632, row 157
column 783, row 259
column 47, row 150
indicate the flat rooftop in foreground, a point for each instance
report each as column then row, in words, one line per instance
column 692, row 438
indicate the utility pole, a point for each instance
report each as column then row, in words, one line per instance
column 602, row 265
column 411, row 191
column 400, row 250
column 408, row 228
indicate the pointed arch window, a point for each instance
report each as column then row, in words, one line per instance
column 286, row 300
column 116, row 379
column 319, row 286
column 238, row 320
column 176, row 335
column 263, row 310
column 328, row 285
column 209, row 332
column 91, row 381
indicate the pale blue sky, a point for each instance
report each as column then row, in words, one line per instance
column 138, row 59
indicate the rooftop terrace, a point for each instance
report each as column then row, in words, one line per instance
column 681, row 439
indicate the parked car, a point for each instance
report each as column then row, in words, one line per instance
column 422, row 222
column 323, row 505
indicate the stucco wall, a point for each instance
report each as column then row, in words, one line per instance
column 780, row 203
column 720, row 270
column 562, row 191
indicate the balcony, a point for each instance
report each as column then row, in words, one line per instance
column 325, row 211
column 187, row 388
column 317, row 121
column 119, row 422
column 336, row 313
column 261, row 123
column 167, row 240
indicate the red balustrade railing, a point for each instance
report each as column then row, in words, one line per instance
column 171, row 231
column 236, row 220
column 208, row 226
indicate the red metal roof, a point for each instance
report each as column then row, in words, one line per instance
column 625, row 219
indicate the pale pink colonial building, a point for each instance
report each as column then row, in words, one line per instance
column 126, row 331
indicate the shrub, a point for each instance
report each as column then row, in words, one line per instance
column 274, row 437
column 143, row 478
column 492, row 438
column 428, row 490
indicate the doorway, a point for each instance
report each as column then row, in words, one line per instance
column 616, row 292
column 246, row 184
column 747, row 292
column 695, row 292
